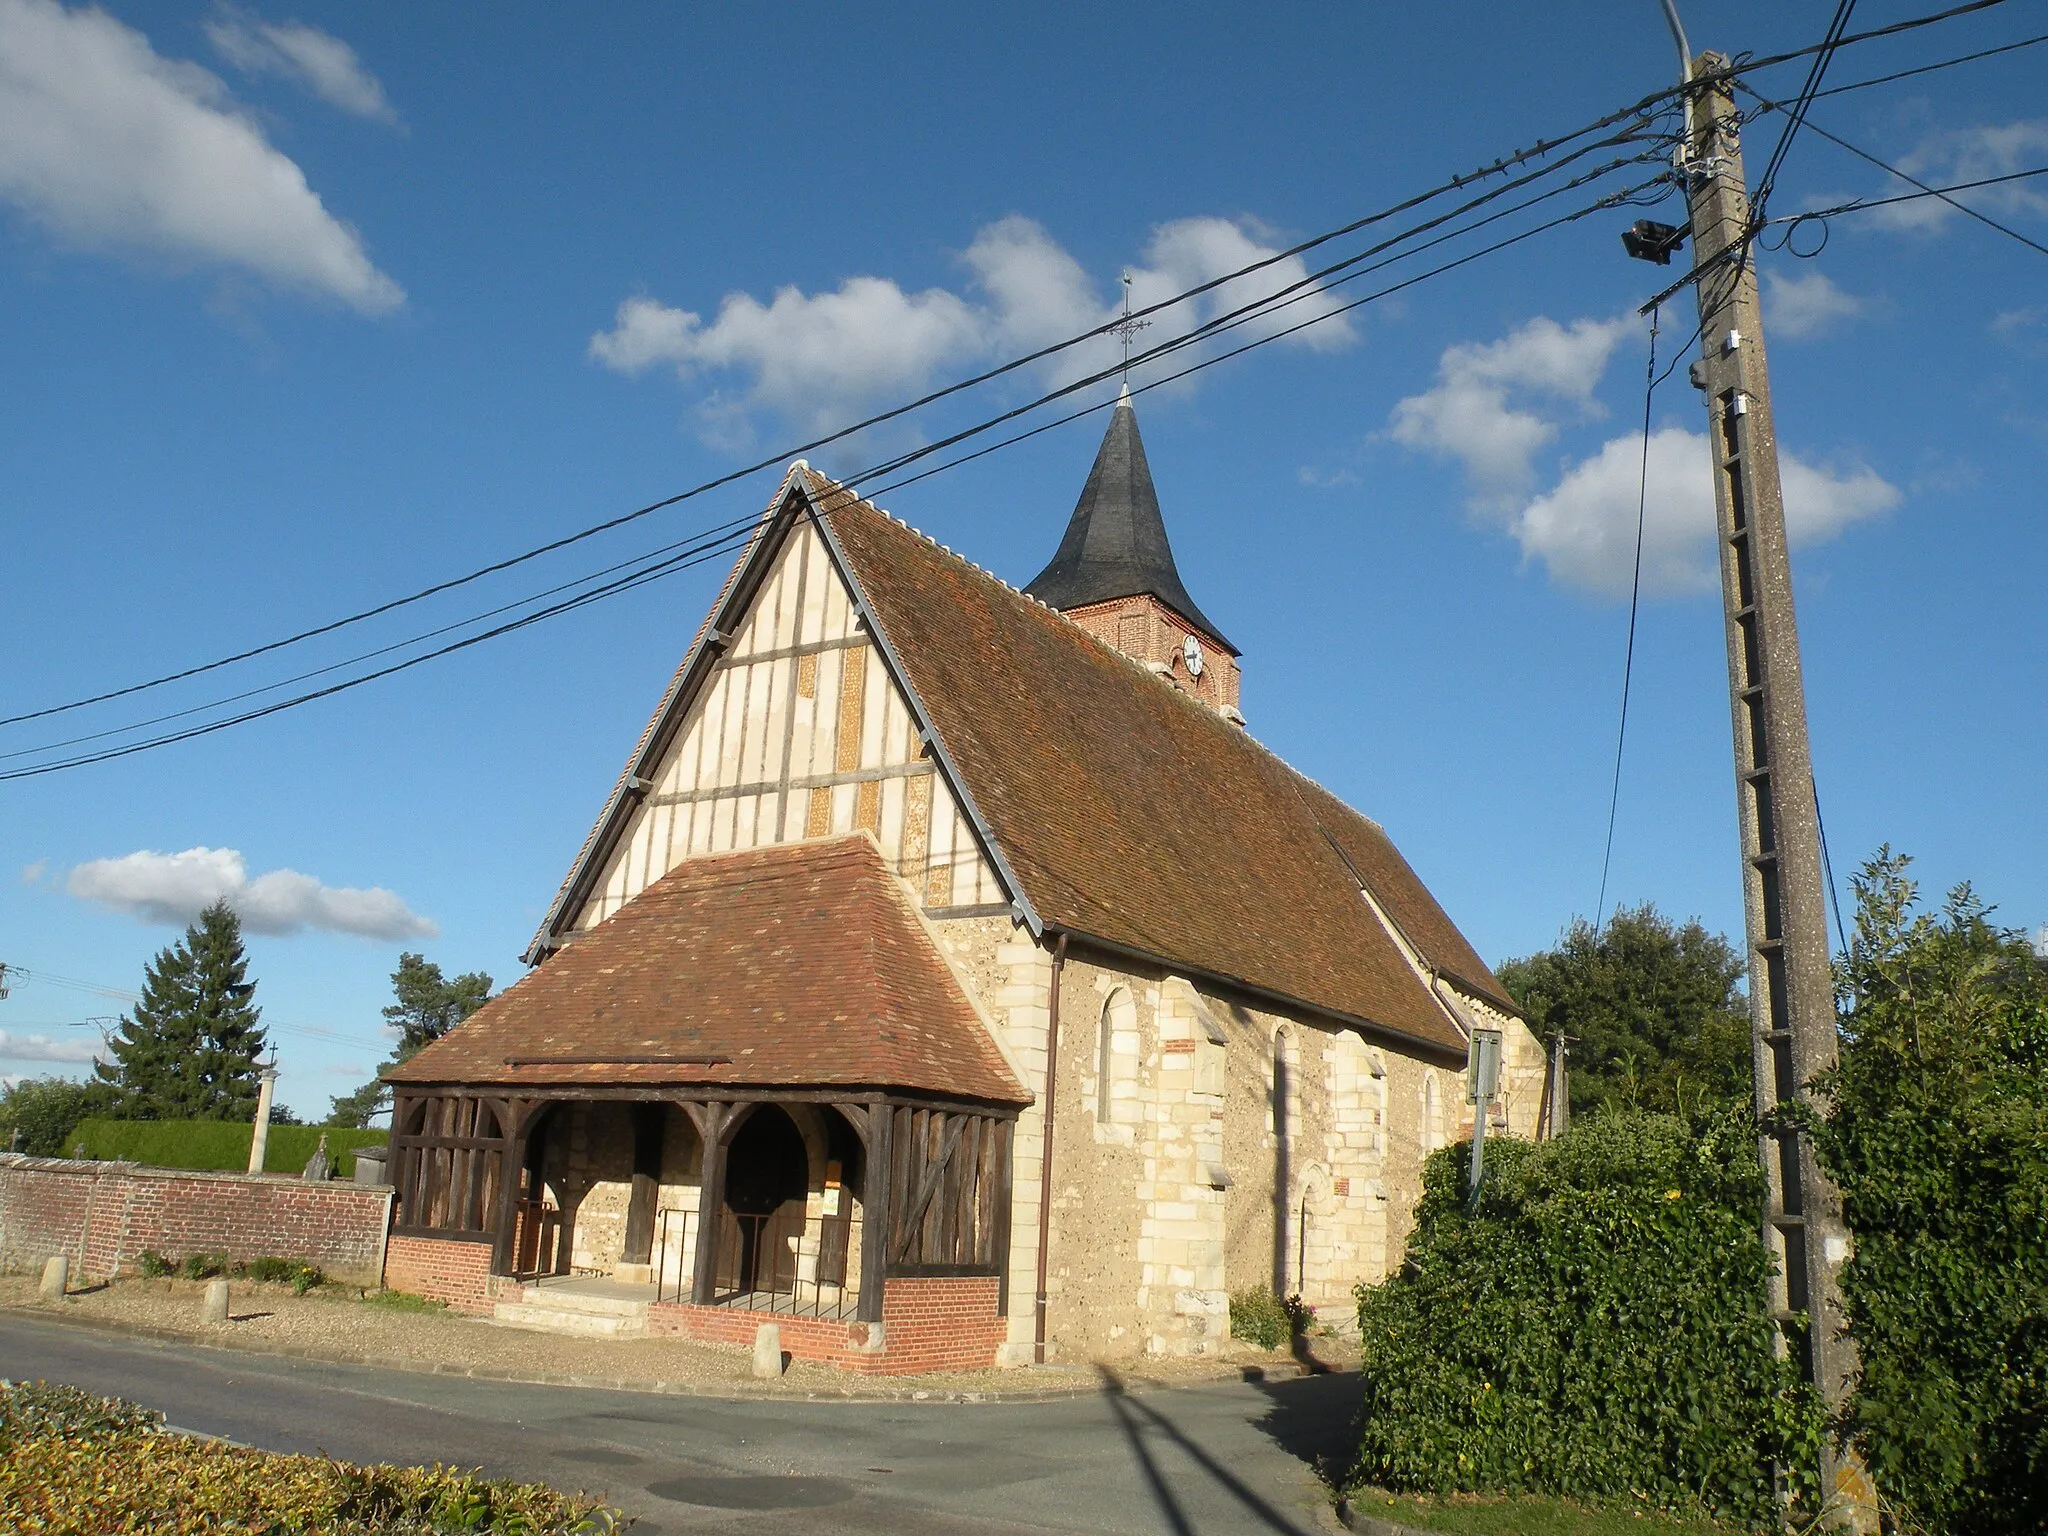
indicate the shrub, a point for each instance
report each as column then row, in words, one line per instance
column 73, row 1462
column 154, row 1265
column 203, row 1266
column 1937, row 1133
column 1598, row 1329
column 1259, row 1317
column 305, row 1277
column 296, row 1273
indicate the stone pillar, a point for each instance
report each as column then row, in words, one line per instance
column 56, row 1277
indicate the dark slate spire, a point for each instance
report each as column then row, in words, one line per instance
column 1115, row 545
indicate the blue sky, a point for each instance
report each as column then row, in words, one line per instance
column 303, row 308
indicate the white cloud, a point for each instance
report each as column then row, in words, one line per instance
column 111, row 145
column 31, row 873
column 1492, row 405
column 1808, row 305
column 1960, row 155
column 824, row 359
column 174, row 888
column 319, row 61
column 15, row 1047
column 1584, row 528
column 1495, row 405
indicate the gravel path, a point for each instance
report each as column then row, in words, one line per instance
column 339, row 1326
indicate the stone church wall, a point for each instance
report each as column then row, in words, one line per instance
column 1181, row 1175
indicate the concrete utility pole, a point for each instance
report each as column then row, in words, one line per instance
column 1791, row 986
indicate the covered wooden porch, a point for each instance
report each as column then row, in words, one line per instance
column 926, row 1192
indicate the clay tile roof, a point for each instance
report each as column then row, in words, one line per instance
column 793, row 966
column 1133, row 814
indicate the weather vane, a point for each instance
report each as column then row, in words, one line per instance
column 1127, row 328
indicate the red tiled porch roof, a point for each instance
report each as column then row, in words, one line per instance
column 793, row 966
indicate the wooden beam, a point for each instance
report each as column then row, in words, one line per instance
column 876, row 1176
column 710, row 1200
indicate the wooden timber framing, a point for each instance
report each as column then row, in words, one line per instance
column 935, row 1185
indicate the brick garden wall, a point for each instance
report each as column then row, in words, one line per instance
column 928, row 1324
column 103, row 1215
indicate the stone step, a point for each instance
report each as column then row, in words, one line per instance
column 582, row 1323
column 565, row 1300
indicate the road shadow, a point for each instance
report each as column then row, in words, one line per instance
column 1135, row 1416
column 1315, row 1420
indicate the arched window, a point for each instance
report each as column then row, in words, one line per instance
column 1432, row 1112
column 1119, row 1013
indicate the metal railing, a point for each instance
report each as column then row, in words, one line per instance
column 761, row 1265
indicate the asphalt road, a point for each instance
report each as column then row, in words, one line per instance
column 1198, row 1461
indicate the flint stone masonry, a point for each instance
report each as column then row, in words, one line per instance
column 101, row 1216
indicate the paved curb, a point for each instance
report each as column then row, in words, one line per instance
column 735, row 1392
column 1372, row 1525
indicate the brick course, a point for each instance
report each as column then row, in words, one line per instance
column 103, row 1215
column 929, row 1323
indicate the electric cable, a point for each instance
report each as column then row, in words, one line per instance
column 1865, row 155
column 1539, row 149
column 684, row 561
column 1635, row 595
column 1519, row 157
column 728, row 540
column 1760, row 199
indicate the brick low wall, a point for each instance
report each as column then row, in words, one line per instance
column 444, row 1269
column 928, row 1324
column 103, row 1215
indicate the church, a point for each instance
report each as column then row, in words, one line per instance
column 952, row 979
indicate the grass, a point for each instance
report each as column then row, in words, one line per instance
column 403, row 1301
column 1527, row 1515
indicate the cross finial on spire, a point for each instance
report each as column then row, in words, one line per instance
column 1127, row 328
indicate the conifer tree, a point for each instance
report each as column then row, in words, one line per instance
column 188, row 1050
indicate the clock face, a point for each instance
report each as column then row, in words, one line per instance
column 1191, row 653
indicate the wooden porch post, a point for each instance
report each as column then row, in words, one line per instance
column 518, row 1115
column 875, row 1216
column 712, row 1120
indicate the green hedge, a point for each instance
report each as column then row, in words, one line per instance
column 1938, row 1135
column 1598, row 1330
column 216, row 1144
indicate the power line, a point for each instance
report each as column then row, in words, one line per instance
column 1769, row 180
column 1865, row 155
column 1859, row 205
column 699, row 553
column 1520, row 157
column 1542, row 147
column 1635, row 594
column 1928, row 69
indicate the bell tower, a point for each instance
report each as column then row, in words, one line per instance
column 1114, row 575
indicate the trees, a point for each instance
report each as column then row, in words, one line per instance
column 38, row 1114
column 426, row 1006
column 1937, row 1132
column 188, row 1050
column 1651, row 1006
